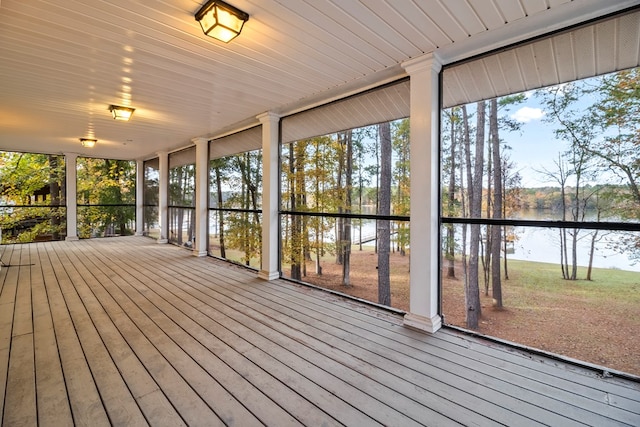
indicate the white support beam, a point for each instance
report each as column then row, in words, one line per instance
column 139, row 198
column 72, row 199
column 202, row 191
column 163, row 196
column 424, row 243
column 269, row 269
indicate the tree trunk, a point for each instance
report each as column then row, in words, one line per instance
column 592, row 248
column 465, row 163
column 564, row 258
column 179, row 226
column 296, row 271
column 505, row 261
column 220, row 215
column 504, row 215
column 54, row 195
column 450, row 236
column 339, row 194
column 317, row 195
column 347, row 142
column 384, row 208
column 574, row 254
column 496, row 230
column 472, row 294
column 488, row 246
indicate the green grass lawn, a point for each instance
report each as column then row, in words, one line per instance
column 606, row 284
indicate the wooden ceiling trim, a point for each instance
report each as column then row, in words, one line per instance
column 321, row 27
column 450, row 26
column 383, row 41
column 394, row 19
column 531, row 7
column 393, row 44
column 431, row 31
column 512, row 10
column 489, row 14
column 466, row 17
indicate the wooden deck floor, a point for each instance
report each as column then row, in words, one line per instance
column 126, row 332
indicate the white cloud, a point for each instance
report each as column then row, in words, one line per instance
column 527, row 114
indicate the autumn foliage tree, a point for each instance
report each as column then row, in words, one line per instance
column 32, row 196
column 106, row 197
column 327, row 182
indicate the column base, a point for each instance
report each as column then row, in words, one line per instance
column 269, row 275
column 199, row 253
column 162, row 241
column 71, row 239
column 422, row 323
column 139, row 233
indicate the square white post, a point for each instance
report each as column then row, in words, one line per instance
column 163, row 196
column 270, row 145
column 139, row 198
column 202, row 191
column 72, row 192
column 425, row 170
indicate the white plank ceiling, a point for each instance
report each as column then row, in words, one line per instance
column 63, row 62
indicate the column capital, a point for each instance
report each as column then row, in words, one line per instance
column 268, row 117
column 429, row 62
column 200, row 140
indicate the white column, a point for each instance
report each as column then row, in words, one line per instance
column 72, row 199
column 139, row 197
column 202, row 191
column 163, row 196
column 270, row 237
column 424, row 243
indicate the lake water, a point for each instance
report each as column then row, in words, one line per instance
column 543, row 244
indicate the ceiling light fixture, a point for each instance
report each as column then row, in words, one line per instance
column 221, row 20
column 88, row 142
column 121, row 113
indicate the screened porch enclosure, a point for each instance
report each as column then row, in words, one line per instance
column 540, row 217
column 320, row 223
column 320, row 170
column 123, row 331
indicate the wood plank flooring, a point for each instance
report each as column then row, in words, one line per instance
column 126, row 332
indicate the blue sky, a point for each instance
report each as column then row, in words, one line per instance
column 535, row 147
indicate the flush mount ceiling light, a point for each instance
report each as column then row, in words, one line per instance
column 88, row 142
column 221, row 20
column 121, row 113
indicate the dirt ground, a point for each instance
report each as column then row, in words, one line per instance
column 600, row 334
